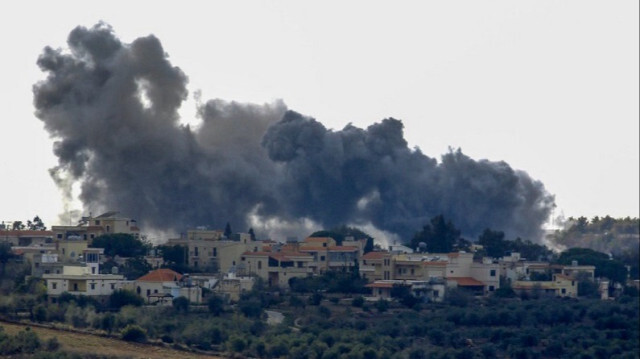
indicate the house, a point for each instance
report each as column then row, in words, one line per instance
column 560, row 286
column 78, row 280
column 212, row 251
column 232, row 286
column 25, row 238
column 161, row 286
column 277, row 268
column 91, row 227
column 432, row 290
column 459, row 268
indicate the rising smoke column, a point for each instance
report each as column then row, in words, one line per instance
column 112, row 109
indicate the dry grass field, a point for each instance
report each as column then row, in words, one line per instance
column 87, row 343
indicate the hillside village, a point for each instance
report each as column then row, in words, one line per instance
column 68, row 262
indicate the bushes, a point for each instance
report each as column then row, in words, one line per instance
column 24, row 342
column 134, row 333
column 122, row 297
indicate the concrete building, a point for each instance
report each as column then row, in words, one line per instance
column 78, row 280
column 161, row 286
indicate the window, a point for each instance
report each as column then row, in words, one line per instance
column 93, row 270
column 75, row 287
column 412, row 271
column 564, row 291
column 148, row 292
column 97, row 223
column 215, row 252
column 54, row 285
column 491, row 288
column 322, row 258
column 113, row 286
column 259, row 264
column 59, row 236
column 492, row 272
column 93, row 286
column 155, row 291
column 195, row 251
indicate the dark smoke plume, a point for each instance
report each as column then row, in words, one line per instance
column 112, row 108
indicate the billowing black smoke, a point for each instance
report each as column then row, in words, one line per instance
column 112, row 108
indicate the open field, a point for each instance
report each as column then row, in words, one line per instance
column 87, row 343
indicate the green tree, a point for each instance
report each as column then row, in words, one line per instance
column 215, row 305
column 36, row 224
column 135, row 268
column 5, row 255
column 134, row 333
column 121, row 244
column 181, row 304
column 440, row 236
column 18, row 226
column 122, row 297
column 493, row 243
column 612, row 269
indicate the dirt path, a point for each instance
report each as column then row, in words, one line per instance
column 87, row 343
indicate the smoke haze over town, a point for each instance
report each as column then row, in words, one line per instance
column 112, row 109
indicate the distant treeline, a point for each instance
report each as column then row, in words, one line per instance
column 618, row 236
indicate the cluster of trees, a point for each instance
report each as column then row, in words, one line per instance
column 619, row 236
column 326, row 324
column 339, row 233
column 33, row 225
column 127, row 246
column 442, row 236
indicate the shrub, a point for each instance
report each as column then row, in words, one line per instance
column 122, row 297
column 181, row 304
column 215, row 305
column 358, row 301
column 134, row 333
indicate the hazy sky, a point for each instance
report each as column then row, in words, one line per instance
column 550, row 87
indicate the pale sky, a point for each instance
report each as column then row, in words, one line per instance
column 550, row 87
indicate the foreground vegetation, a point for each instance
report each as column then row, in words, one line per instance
column 325, row 325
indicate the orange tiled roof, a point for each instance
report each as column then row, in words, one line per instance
column 161, row 275
column 375, row 255
column 467, row 281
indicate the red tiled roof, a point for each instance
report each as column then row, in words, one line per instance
column 375, row 255
column 453, row 255
column 467, row 281
column 161, row 275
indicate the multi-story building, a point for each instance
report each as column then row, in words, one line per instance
column 79, row 280
column 459, row 269
column 277, row 268
column 91, row 227
column 215, row 253
column 560, row 286
column 161, row 286
column 26, row 238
